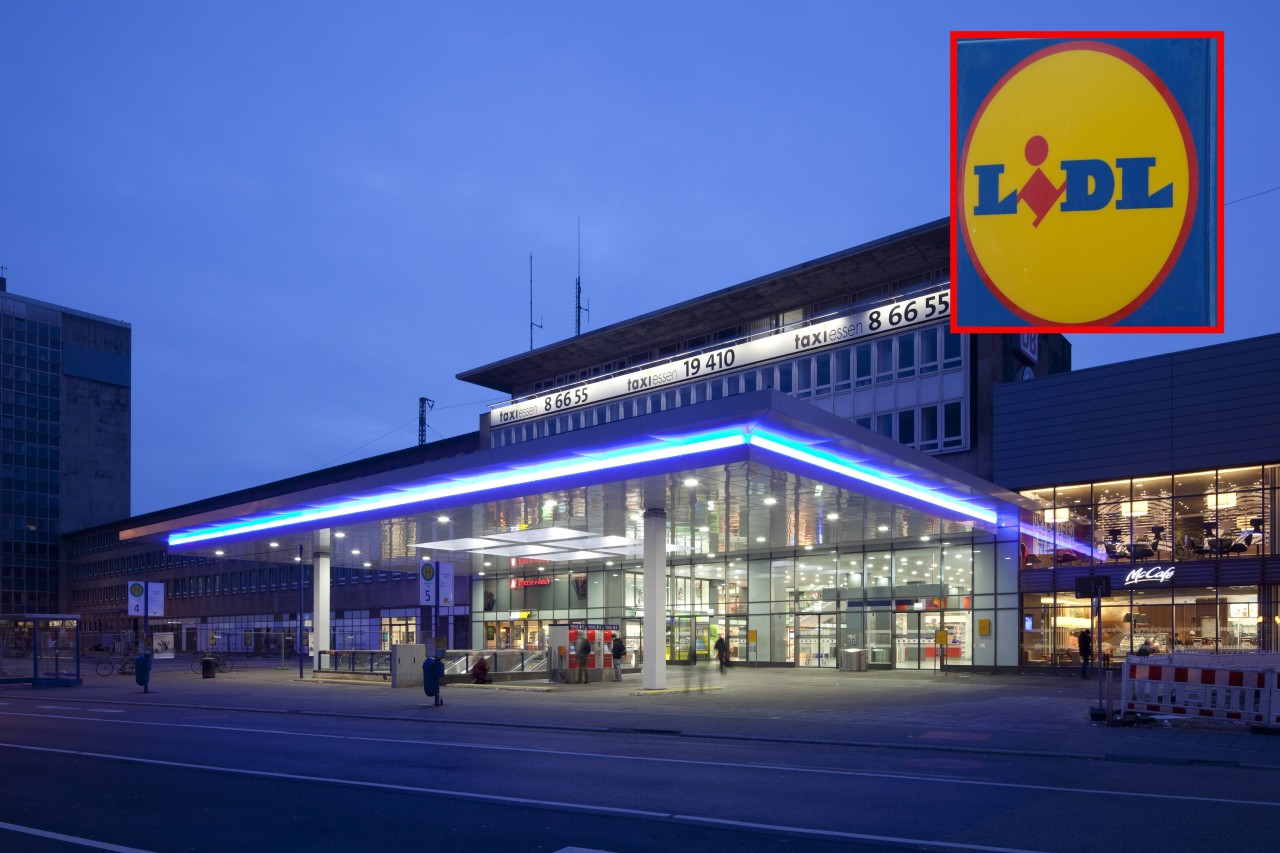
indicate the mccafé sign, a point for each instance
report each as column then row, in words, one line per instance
column 1085, row 183
column 1153, row 574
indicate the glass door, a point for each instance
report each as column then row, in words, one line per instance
column 816, row 640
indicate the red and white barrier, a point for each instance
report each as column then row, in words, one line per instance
column 1155, row 685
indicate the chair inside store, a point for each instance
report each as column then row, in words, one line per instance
column 1116, row 550
column 1142, row 551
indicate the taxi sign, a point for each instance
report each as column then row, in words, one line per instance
column 1086, row 186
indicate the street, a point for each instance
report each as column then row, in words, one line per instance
column 125, row 775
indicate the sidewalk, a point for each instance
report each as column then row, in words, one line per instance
column 1037, row 714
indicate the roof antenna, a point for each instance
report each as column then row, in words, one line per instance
column 532, row 325
column 578, row 309
column 424, row 403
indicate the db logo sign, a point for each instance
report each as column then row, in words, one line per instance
column 1078, row 186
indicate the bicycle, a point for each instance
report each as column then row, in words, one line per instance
column 222, row 661
column 124, row 666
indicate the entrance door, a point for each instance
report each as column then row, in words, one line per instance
column 685, row 633
column 816, row 640
column 914, row 640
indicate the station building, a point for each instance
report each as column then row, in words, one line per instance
column 798, row 464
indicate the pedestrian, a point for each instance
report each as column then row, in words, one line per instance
column 480, row 672
column 433, row 679
column 584, row 651
column 619, row 651
column 1146, row 648
column 722, row 653
column 1086, row 651
column 142, row 671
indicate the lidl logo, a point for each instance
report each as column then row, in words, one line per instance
column 1079, row 184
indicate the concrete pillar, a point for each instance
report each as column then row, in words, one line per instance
column 320, row 606
column 653, row 672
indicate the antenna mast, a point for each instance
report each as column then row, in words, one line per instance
column 424, row 403
column 577, row 289
column 532, row 325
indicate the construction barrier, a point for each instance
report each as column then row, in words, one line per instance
column 1242, row 688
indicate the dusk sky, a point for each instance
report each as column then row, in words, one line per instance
column 314, row 213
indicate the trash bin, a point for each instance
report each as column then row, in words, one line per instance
column 208, row 668
column 853, row 660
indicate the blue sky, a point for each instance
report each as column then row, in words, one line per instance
column 314, row 213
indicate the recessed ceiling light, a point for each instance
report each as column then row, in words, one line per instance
column 219, row 553
column 274, row 544
column 759, row 538
column 487, row 563
column 368, row 565
column 832, row 516
column 340, row 535
column 355, row 551
column 297, row 559
column 691, row 481
column 443, row 519
column 608, row 563
column 924, row 538
column 883, row 528
column 481, row 574
column 704, row 529
column 808, row 547
column 770, row 501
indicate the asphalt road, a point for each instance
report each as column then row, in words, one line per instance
column 115, row 773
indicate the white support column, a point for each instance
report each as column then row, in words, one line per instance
column 653, row 672
column 320, row 606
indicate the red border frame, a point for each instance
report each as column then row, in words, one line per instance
column 1038, row 325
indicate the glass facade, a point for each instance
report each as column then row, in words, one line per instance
column 1183, row 553
column 30, row 435
column 799, row 607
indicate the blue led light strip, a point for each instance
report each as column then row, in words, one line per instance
column 802, row 453
column 602, row 460
column 613, row 458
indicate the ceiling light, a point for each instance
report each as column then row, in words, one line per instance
column 355, row 552
column 691, row 481
column 832, row 516
column 884, row 528
column 759, row 538
column 274, row 544
column 487, row 563
column 704, row 529
column 340, row 535
column 481, row 574
column 770, row 501
column 443, row 519
column 297, row 559
column 218, row 553
column 924, row 538
column 368, row 565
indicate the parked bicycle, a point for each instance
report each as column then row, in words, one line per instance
column 124, row 666
column 222, row 661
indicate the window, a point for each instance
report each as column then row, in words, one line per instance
column 804, row 378
column 862, row 365
column 865, row 423
column 952, row 426
column 749, row 381
column 843, row 377
column 884, row 425
column 784, row 377
column 907, row 426
column 929, row 428
column 951, row 349
column 822, row 373
column 907, row 355
column 884, row 360
column 929, row 350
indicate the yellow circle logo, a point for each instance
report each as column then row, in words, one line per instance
column 1077, row 185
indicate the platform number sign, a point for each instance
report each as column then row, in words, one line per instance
column 427, row 584
column 137, row 598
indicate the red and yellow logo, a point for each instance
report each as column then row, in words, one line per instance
column 1076, row 188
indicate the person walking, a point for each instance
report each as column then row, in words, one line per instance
column 1086, row 651
column 722, row 654
column 584, row 651
column 619, row 651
